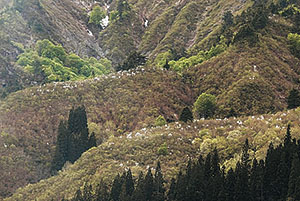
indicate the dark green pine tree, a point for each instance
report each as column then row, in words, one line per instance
column 186, row 115
column 242, row 176
column 180, row 189
column 282, row 178
column 191, row 189
column 196, row 185
column 288, row 137
column 271, row 166
column 159, row 190
column 148, row 186
column 116, row 188
column 215, row 181
column 255, row 180
column 123, row 195
column 62, row 147
column 229, row 185
column 139, row 193
column 172, row 190
column 293, row 99
column 78, row 128
column 294, row 179
column 127, row 187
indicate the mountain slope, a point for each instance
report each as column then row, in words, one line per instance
column 251, row 79
column 139, row 150
column 118, row 103
column 248, row 78
column 22, row 23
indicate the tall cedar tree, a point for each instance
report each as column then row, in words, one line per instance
column 159, row 190
column 73, row 138
column 78, row 128
column 62, row 147
column 139, row 192
column 148, row 186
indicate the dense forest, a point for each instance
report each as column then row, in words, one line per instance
column 175, row 99
column 275, row 178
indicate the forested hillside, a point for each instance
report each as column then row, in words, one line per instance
column 158, row 80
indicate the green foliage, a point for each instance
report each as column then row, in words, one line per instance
column 205, row 106
column 122, row 11
column 113, row 15
column 97, row 15
column 163, row 149
column 290, row 10
column 163, row 58
column 250, row 22
column 160, row 121
column 49, row 62
column 185, row 63
column 294, row 42
column 249, row 94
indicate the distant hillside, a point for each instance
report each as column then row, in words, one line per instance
column 251, row 74
column 115, row 104
column 23, row 22
column 150, row 27
column 138, row 150
column 251, row 78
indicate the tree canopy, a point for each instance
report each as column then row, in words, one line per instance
column 48, row 63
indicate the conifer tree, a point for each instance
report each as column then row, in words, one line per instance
column 229, row 185
column 282, row 178
column 159, row 190
column 294, row 179
column 242, row 176
column 116, row 188
column 62, row 147
column 166, row 66
column 172, row 190
column 271, row 165
column 227, row 19
column 139, row 193
column 186, row 115
column 148, row 185
column 78, row 128
column 255, row 181
column 215, row 180
column 180, row 188
column 129, row 183
column 293, row 99
column 288, row 137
